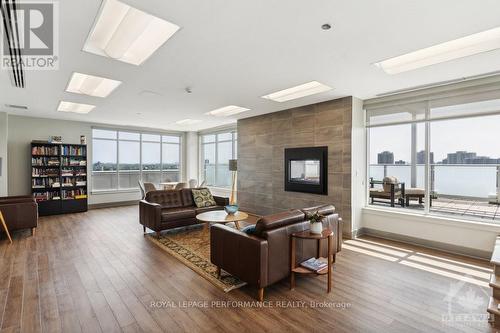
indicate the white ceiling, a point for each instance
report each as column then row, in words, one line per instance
column 233, row 52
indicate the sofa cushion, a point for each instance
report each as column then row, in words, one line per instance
column 166, row 199
column 415, row 191
column 249, row 229
column 187, row 197
column 208, row 209
column 388, row 181
column 279, row 220
column 172, row 214
column 203, row 198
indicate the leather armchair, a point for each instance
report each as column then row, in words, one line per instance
column 263, row 258
column 19, row 212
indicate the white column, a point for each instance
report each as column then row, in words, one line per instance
column 191, row 162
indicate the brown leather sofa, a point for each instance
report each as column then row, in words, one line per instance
column 263, row 258
column 19, row 212
column 168, row 209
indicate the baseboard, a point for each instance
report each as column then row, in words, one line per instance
column 114, row 204
column 449, row 248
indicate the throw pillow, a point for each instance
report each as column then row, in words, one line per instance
column 249, row 229
column 203, row 198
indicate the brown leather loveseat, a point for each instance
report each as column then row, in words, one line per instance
column 168, row 209
column 263, row 258
column 19, row 212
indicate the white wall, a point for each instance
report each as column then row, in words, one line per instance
column 358, row 164
column 3, row 153
column 471, row 235
column 22, row 130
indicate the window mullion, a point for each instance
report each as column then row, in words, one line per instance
column 117, row 161
column 161, row 158
column 140, row 157
column 428, row 179
column 216, row 176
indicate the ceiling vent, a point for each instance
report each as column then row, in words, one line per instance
column 14, row 106
column 11, row 38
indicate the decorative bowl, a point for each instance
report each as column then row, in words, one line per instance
column 231, row 209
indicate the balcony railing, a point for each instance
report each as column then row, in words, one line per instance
column 219, row 176
column 128, row 179
column 478, row 181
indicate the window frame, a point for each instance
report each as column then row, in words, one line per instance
column 117, row 142
column 427, row 120
column 233, row 140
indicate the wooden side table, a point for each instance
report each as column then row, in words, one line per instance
column 306, row 235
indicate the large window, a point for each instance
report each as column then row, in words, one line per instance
column 440, row 155
column 121, row 158
column 216, row 151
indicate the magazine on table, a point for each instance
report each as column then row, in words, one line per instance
column 314, row 264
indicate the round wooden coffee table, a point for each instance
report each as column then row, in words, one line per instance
column 220, row 216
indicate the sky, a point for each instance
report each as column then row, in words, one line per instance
column 480, row 135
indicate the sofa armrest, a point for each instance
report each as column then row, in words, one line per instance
column 20, row 214
column 16, row 199
column 150, row 215
column 244, row 256
column 221, row 201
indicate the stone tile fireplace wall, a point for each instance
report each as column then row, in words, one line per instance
column 261, row 144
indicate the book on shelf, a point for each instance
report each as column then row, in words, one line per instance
column 80, row 151
column 314, row 264
column 44, row 150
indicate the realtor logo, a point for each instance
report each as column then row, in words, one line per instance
column 30, row 34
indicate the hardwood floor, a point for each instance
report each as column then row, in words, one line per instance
column 96, row 272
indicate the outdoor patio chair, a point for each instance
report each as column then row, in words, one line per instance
column 391, row 190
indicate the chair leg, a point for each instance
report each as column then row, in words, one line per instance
column 158, row 234
column 144, row 228
column 218, row 272
column 33, row 231
column 5, row 227
column 260, row 295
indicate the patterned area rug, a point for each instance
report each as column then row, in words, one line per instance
column 191, row 246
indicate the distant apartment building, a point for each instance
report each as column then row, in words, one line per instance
column 385, row 157
column 459, row 157
column 421, row 157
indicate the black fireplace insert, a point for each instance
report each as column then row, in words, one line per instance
column 306, row 170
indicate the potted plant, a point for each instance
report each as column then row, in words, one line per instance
column 316, row 222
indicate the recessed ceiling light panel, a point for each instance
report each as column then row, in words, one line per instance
column 127, row 34
column 227, row 111
column 188, row 122
column 488, row 40
column 75, row 107
column 303, row 90
column 91, row 85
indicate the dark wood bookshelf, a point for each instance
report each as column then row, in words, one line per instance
column 52, row 197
